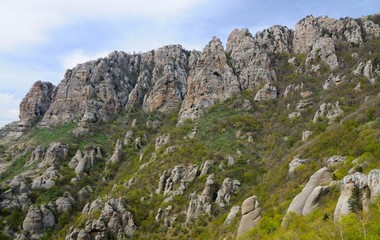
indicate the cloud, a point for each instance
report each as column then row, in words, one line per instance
column 9, row 108
column 26, row 23
column 78, row 56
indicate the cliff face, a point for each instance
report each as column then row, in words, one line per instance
column 170, row 76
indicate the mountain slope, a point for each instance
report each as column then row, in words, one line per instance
column 169, row 144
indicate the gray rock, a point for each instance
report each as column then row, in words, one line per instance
column 335, row 160
column 228, row 188
column 268, row 92
column 330, row 111
column 324, row 49
column 46, row 180
column 38, row 220
column 343, row 207
column 231, row 215
column 320, row 178
column 251, row 214
column 162, row 140
column 37, row 154
column 374, row 183
column 306, row 135
column 117, row 154
column 64, row 203
column 212, row 80
column 313, row 200
column 55, row 153
column 295, row 163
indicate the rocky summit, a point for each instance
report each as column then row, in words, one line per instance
column 274, row 135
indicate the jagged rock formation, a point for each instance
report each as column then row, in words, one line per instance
column 46, row 180
column 55, row 153
column 251, row 214
column 37, row 154
column 232, row 215
column 330, row 111
column 202, row 203
column 225, row 192
column 38, row 220
column 114, row 219
column 211, row 80
column 36, row 103
column 17, row 196
column 316, row 187
column 84, row 162
column 117, row 155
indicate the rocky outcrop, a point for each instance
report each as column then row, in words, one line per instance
column 232, row 215
column 118, row 154
column 330, row 111
column 335, row 160
column 64, row 203
column 295, row 163
column 333, row 81
column 178, row 180
column 374, row 183
column 268, row 92
column 36, row 102
column 349, row 182
column 310, row 29
column 169, row 79
column 17, row 196
column 249, row 58
column 307, row 200
column 55, row 153
column 114, row 220
column 162, row 140
column 37, row 154
column 251, row 214
column 37, row 221
column 83, row 162
column 228, row 188
column 201, row 204
column 46, row 180
column 277, row 39
column 324, row 49
column 212, row 80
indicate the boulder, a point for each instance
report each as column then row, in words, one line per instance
column 251, row 214
column 320, row 178
column 225, row 192
column 64, row 203
column 335, row 160
column 38, row 220
column 46, row 180
column 37, row 154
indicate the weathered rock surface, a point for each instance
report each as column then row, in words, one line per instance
column 212, row 80
column 177, row 181
column 162, row 140
column 251, row 214
column 201, row 204
column 46, row 180
column 114, row 219
column 55, row 153
column 17, row 196
column 37, row 221
column 64, row 203
column 118, row 154
column 374, row 183
column 268, row 92
column 82, row 162
column 295, row 163
column 310, row 194
column 335, row 160
column 36, row 102
column 37, row 154
column 225, row 192
column 333, row 81
column 324, row 49
column 232, row 215
column 330, row 111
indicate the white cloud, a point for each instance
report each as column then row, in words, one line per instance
column 9, row 108
column 75, row 57
column 25, row 23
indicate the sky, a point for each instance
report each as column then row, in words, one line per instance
column 40, row 39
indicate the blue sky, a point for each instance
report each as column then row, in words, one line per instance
column 40, row 39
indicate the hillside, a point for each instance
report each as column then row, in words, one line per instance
column 275, row 136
